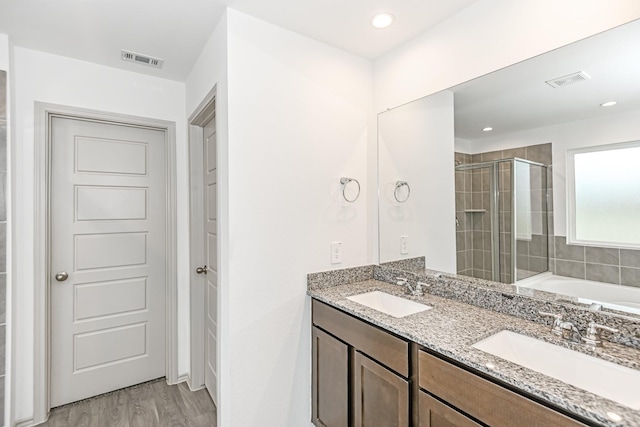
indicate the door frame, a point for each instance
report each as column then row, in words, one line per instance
column 44, row 112
column 197, row 120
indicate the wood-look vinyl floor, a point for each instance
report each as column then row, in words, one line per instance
column 146, row 405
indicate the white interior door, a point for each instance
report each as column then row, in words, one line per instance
column 108, row 237
column 211, row 256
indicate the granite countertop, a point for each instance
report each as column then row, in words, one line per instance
column 451, row 327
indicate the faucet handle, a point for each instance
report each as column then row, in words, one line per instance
column 557, row 327
column 593, row 337
column 557, row 317
column 421, row 285
column 402, row 281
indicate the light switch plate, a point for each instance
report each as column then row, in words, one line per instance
column 336, row 252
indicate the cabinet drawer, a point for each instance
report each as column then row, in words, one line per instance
column 387, row 349
column 434, row 413
column 482, row 399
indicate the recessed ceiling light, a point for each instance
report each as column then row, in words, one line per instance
column 608, row 104
column 382, row 20
column 487, row 129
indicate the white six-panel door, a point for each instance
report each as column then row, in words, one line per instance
column 108, row 235
column 211, row 255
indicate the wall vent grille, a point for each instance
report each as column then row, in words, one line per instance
column 570, row 79
column 141, row 59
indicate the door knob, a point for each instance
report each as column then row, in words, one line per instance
column 62, row 276
column 201, row 270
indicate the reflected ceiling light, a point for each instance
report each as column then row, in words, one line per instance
column 382, row 20
column 613, row 416
column 487, row 129
column 608, row 104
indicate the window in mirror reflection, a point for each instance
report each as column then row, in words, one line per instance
column 604, row 195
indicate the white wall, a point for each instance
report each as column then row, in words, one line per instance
column 299, row 117
column 54, row 79
column 486, row 36
column 608, row 129
column 418, row 135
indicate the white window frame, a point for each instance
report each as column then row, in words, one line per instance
column 571, row 195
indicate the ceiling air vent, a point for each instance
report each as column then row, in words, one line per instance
column 141, row 59
column 563, row 81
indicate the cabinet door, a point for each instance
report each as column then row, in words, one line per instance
column 380, row 397
column 330, row 388
column 434, row 413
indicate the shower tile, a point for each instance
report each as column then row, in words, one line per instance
column 459, row 157
column 478, row 260
column 477, row 240
column 3, row 196
column 460, row 201
column 552, row 265
column 476, row 200
column 467, row 181
column 486, row 180
column 3, row 146
column 538, row 245
column 461, row 261
column 3, row 298
column 550, row 225
column 505, row 180
column 505, row 201
column 630, row 276
column 491, row 155
column 459, row 183
column 460, row 241
column 468, row 239
column 3, row 246
column 630, row 258
column 467, row 200
column 538, row 264
column 462, row 220
column 486, row 240
column 3, row 336
column 596, row 255
column 552, row 247
column 506, row 222
column 486, row 201
column 535, row 176
column 522, row 247
column 486, row 221
column 568, row 252
column 520, row 152
column 603, row 273
column 539, row 153
column 570, row 269
column 522, row 262
column 488, row 261
column 476, row 158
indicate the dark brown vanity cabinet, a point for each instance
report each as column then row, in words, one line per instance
column 476, row 397
column 360, row 372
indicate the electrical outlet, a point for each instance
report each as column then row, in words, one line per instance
column 336, row 252
column 404, row 245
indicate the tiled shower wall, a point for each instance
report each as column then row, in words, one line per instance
column 473, row 237
column 3, row 235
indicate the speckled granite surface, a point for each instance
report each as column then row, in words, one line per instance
column 516, row 301
column 451, row 327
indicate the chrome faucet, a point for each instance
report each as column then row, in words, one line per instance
column 416, row 291
column 593, row 338
column 566, row 330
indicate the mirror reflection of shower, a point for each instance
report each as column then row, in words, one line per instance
column 501, row 218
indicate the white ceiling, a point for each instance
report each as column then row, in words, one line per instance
column 517, row 98
column 176, row 30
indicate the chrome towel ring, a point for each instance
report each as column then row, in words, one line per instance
column 345, row 182
column 397, row 193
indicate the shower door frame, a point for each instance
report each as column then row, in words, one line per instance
column 494, row 202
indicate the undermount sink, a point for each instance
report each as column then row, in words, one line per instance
column 606, row 379
column 389, row 304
